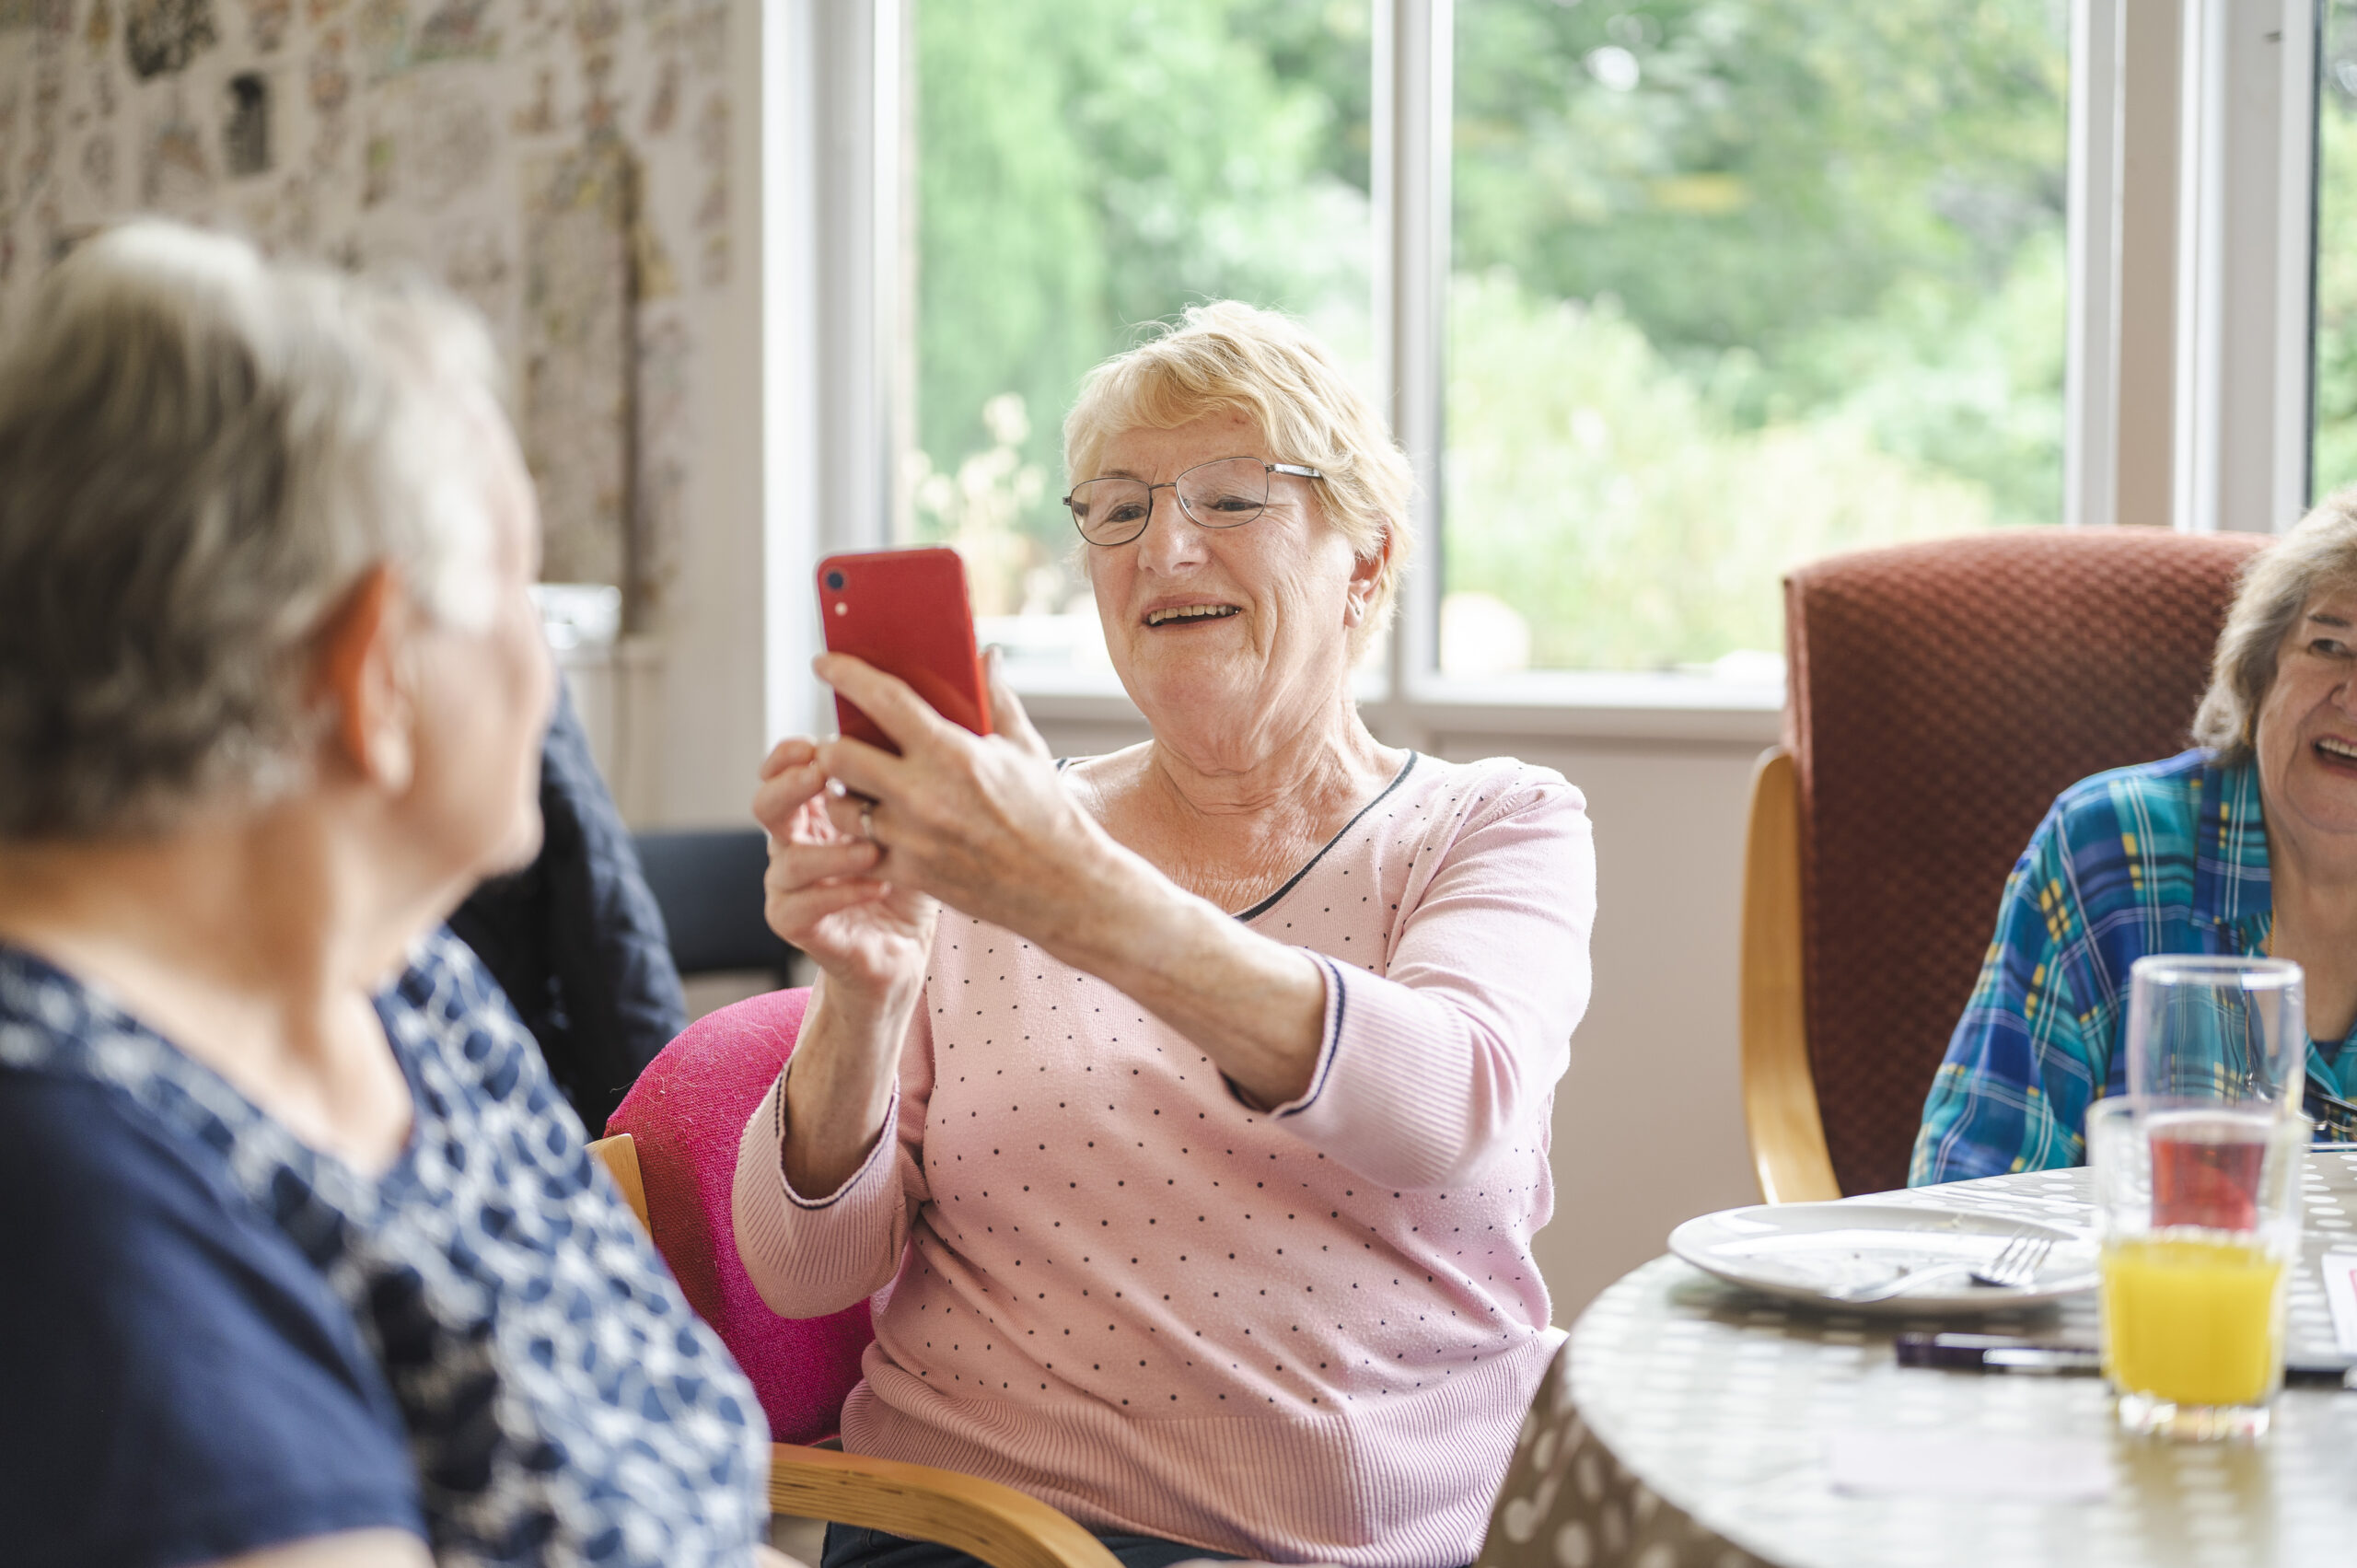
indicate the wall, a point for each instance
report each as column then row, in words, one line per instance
column 1649, row 1120
column 581, row 170
column 1648, row 1127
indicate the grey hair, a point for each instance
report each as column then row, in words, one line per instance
column 202, row 452
column 2318, row 555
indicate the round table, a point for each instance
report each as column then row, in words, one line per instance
column 1687, row 1422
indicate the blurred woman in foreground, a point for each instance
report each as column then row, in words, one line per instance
column 307, row 1261
column 1192, row 1100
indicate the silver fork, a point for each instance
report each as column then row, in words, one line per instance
column 2014, row 1266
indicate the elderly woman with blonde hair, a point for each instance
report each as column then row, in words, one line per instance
column 2245, row 844
column 1192, row 1100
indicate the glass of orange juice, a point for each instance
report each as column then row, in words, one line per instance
column 2198, row 1209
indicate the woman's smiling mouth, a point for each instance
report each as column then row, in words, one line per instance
column 1181, row 615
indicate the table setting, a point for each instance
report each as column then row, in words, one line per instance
column 2142, row 1360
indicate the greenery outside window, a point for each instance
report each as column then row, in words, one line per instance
column 2333, row 455
column 1736, row 284
column 1081, row 171
column 1724, row 284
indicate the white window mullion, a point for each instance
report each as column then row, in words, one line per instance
column 859, row 270
column 2091, row 381
column 789, row 453
column 2247, row 197
column 2191, row 184
column 2146, row 240
column 1410, row 173
column 2205, row 129
column 830, row 224
column 2290, row 463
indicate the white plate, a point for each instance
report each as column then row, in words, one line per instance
column 1803, row 1252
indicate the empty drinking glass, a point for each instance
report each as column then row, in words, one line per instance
column 2229, row 1031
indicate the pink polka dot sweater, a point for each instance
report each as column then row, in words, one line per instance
column 1304, row 1334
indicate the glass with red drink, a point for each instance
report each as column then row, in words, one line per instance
column 2206, row 1165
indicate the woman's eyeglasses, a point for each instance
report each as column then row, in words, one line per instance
column 1226, row 493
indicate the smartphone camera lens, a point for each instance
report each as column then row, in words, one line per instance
column 834, row 579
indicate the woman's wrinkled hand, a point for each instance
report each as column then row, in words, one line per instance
column 980, row 822
column 869, row 935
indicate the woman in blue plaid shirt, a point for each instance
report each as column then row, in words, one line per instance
column 2245, row 844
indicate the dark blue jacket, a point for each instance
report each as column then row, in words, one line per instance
column 576, row 938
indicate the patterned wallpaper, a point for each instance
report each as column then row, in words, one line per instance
column 562, row 164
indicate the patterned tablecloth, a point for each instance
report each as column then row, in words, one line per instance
column 1686, row 1424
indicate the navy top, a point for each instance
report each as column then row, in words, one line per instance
column 215, row 1340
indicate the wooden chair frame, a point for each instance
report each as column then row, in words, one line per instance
column 1004, row 1527
column 1780, row 1107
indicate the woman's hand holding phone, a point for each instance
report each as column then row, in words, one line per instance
column 907, row 609
column 870, row 937
column 907, row 806
column 848, row 883
column 981, row 822
column 859, row 837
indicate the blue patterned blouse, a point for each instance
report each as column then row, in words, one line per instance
column 2167, row 858
column 215, row 1338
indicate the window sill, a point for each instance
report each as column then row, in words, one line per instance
column 1601, row 705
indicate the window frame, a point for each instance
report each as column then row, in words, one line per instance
column 2191, row 352
column 2192, row 260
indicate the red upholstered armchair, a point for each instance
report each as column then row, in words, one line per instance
column 1940, row 695
column 672, row 1148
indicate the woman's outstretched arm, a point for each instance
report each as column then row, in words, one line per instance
column 1439, row 1061
column 984, row 824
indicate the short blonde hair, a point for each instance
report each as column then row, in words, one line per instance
column 2317, row 555
column 1227, row 357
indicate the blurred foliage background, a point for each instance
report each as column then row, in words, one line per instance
column 1083, row 169
column 2334, row 455
column 1736, row 282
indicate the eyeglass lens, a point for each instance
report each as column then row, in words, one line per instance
column 1221, row 494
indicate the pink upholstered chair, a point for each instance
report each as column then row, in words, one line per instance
column 672, row 1148
column 685, row 1115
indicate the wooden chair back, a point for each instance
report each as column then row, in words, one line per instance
column 1940, row 696
column 619, row 1155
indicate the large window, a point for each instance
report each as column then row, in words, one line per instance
column 1664, row 296
column 1737, row 283
column 1082, row 170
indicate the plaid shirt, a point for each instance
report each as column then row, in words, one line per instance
column 2170, row 857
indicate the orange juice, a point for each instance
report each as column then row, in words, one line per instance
column 2193, row 1318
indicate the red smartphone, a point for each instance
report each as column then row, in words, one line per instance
column 906, row 613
